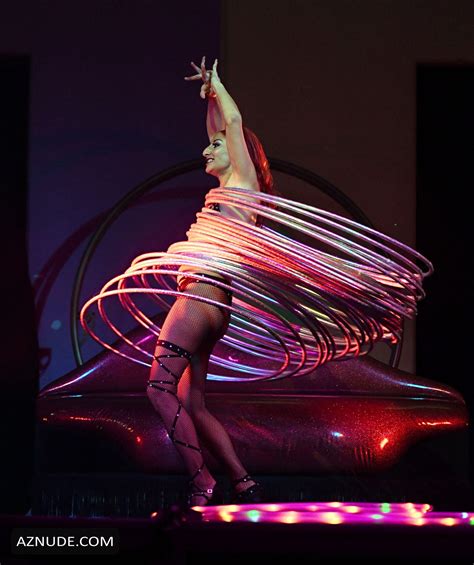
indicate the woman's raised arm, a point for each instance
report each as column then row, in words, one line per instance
column 214, row 120
column 223, row 114
column 243, row 170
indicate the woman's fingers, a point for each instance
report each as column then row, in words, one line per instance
column 214, row 70
column 203, row 68
column 194, row 77
column 199, row 71
column 203, row 74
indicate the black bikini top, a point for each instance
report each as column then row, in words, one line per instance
column 214, row 206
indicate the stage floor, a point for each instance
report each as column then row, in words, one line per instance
column 278, row 533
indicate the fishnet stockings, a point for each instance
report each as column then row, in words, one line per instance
column 189, row 327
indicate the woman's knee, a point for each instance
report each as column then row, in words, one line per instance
column 153, row 394
column 159, row 398
column 192, row 384
column 198, row 410
column 196, row 402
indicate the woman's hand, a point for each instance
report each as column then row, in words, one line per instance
column 209, row 78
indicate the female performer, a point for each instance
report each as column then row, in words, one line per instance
column 333, row 302
column 192, row 328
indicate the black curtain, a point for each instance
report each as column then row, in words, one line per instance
column 445, row 185
column 18, row 343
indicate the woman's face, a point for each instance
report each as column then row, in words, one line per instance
column 216, row 156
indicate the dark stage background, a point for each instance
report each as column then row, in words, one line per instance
column 445, row 180
column 18, row 344
column 94, row 102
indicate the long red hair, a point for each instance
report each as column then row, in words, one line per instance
column 262, row 168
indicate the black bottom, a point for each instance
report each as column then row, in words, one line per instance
column 188, row 279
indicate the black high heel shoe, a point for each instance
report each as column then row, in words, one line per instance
column 252, row 494
column 214, row 496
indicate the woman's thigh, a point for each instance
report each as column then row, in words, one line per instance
column 196, row 318
column 192, row 385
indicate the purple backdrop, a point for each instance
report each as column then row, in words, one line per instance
column 109, row 108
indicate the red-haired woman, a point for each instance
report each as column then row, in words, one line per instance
column 192, row 328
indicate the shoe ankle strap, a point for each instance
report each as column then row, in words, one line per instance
column 242, row 480
column 202, row 492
